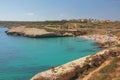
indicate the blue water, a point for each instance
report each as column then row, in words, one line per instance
column 22, row 57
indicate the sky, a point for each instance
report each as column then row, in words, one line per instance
column 40, row 10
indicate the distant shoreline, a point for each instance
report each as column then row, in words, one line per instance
column 99, row 38
column 35, row 32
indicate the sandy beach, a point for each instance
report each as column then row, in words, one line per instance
column 99, row 38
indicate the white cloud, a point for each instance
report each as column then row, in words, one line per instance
column 30, row 14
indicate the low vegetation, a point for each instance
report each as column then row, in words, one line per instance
column 109, row 72
column 86, row 26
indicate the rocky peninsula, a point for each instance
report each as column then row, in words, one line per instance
column 34, row 32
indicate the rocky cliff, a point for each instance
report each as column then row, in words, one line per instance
column 34, row 32
column 72, row 70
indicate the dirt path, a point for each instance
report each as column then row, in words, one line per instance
column 96, row 70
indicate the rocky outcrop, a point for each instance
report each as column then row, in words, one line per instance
column 64, row 72
column 72, row 70
column 34, row 32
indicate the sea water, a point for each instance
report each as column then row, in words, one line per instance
column 21, row 57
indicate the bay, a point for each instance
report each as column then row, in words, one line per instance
column 22, row 57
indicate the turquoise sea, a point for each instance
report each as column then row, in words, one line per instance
column 21, row 57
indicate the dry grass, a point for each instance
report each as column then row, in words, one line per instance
column 109, row 72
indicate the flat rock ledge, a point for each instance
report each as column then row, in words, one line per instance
column 34, row 32
column 71, row 70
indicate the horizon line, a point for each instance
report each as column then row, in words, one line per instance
column 53, row 20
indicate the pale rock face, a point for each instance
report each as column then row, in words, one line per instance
column 69, row 70
column 34, row 32
column 63, row 72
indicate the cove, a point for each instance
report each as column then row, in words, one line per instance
column 22, row 57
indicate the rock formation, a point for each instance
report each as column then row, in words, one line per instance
column 34, row 32
column 71, row 70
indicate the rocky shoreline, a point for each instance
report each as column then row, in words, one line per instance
column 34, row 32
column 71, row 70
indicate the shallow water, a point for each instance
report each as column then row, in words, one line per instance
column 22, row 57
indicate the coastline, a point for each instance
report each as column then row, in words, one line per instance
column 37, row 59
column 68, row 70
column 99, row 38
column 60, row 70
column 35, row 32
